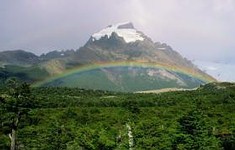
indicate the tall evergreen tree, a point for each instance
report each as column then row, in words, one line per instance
column 195, row 133
column 14, row 105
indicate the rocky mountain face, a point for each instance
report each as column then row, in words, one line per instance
column 115, row 43
column 113, row 46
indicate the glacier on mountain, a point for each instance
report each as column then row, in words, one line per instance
column 125, row 30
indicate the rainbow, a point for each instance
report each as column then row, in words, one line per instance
column 103, row 65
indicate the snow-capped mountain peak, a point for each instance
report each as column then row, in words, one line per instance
column 125, row 30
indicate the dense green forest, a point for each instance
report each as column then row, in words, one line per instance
column 72, row 119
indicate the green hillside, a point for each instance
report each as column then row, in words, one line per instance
column 27, row 74
column 72, row 118
column 124, row 79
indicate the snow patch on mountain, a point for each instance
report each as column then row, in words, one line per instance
column 125, row 30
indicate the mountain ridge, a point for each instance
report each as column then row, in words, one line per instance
column 121, row 43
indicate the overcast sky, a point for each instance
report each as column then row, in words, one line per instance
column 198, row 29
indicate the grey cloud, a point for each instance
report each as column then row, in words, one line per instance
column 198, row 29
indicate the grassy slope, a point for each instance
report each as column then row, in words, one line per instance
column 123, row 81
column 29, row 74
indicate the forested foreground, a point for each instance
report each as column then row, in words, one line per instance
column 73, row 119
